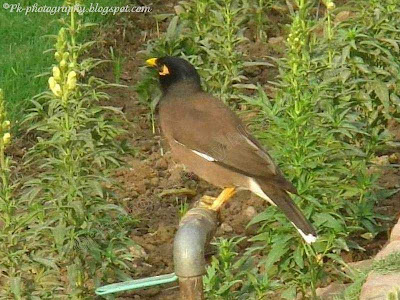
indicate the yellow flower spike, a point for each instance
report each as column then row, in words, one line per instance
column 57, row 73
column 6, row 138
column 71, row 80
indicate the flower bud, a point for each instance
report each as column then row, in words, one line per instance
column 331, row 6
column 57, row 56
column 6, row 125
column 71, row 80
column 65, row 55
column 63, row 65
column 52, row 83
column 6, row 138
column 55, row 87
column 57, row 73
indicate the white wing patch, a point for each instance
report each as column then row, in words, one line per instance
column 256, row 189
column 205, row 156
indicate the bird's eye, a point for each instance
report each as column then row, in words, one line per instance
column 163, row 70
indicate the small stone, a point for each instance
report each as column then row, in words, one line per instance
column 162, row 164
column 250, row 212
column 331, row 291
column 154, row 181
column 394, row 158
column 140, row 187
column 226, row 228
column 381, row 160
column 342, row 16
column 276, row 40
column 138, row 252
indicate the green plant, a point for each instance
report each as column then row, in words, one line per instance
column 183, row 208
column 21, row 51
column 68, row 236
column 325, row 146
column 118, row 61
column 260, row 8
column 232, row 277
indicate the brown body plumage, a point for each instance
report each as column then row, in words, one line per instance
column 211, row 141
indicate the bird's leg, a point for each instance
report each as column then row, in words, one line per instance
column 225, row 195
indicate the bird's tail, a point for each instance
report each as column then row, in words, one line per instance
column 282, row 199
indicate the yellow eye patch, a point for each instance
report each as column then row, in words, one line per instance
column 164, row 71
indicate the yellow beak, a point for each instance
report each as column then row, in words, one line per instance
column 151, row 62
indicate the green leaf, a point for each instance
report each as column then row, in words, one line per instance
column 263, row 216
column 46, row 262
column 277, row 251
column 172, row 27
column 289, row 293
column 15, row 286
column 298, row 257
column 382, row 93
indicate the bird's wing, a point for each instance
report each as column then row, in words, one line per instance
column 211, row 130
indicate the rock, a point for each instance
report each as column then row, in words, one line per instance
column 395, row 235
column 378, row 286
column 388, row 249
column 162, row 164
column 138, row 252
column 250, row 212
column 276, row 40
column 361, row 265
column 154, row 181
column 332, row 290
column 394, row 158
column 176, row 174
column 342, row 16
column 140, row 188
column 226, row 228
column 381, row 160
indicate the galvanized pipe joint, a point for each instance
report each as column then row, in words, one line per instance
column 196, row 230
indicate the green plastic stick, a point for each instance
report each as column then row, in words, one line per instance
column 136, row 284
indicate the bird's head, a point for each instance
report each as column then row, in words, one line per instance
column 174, row 70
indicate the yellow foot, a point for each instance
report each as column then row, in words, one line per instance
column 225, row 195
column 206, row 201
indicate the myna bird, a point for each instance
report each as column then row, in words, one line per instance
column 211, row 141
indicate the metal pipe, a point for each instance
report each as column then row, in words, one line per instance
column 195, row 231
